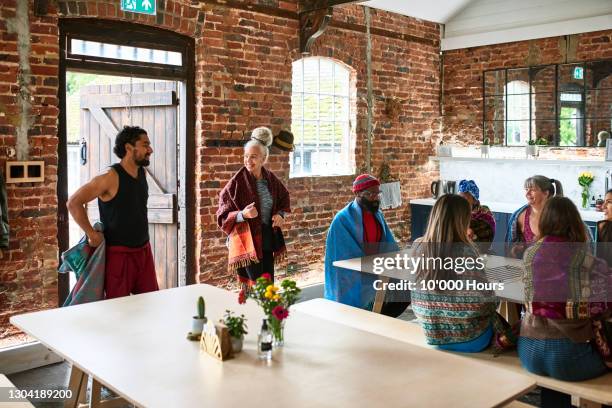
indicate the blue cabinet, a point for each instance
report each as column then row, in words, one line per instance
column 419, row 219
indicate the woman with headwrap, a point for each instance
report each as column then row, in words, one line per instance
column 482, row 222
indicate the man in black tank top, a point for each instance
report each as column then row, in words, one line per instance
column 122, row 194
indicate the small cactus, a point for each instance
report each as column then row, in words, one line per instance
column 201, row 308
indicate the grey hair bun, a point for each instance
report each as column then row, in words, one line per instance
column 263, row 135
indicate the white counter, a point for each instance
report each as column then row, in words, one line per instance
column 509, row 208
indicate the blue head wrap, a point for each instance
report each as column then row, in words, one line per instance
column 469, row 186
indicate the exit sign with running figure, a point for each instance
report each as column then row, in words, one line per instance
column 140, row 6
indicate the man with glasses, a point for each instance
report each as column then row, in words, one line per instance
column 359, row 229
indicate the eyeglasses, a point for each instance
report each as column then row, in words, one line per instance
column 372, row 194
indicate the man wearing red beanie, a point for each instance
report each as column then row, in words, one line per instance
column 359, row 229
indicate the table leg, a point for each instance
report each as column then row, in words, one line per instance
column 509, row 312
column 379, row 300
column 78, row 386
column 98, row 402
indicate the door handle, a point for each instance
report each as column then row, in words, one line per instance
column 83, row 152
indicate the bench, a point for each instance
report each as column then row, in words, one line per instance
column 586, row 394
column 5, row 383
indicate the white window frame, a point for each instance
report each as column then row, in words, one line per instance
column 348, row 167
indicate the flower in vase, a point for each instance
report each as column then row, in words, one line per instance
column 266, row 276
column 585, row 178
column 280, row 312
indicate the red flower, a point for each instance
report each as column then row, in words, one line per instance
column 280, row 312
column 267, row 276
column 242, row 297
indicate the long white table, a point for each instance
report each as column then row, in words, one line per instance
column 136, row 346
column 498, row 268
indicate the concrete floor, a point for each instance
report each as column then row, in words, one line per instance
column 57, row 375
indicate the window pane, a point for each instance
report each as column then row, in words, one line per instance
column 296, row 106
column 543, row 106
column 296, row 76
column 495, row 107
column 599, row 103
column 104, row 50
column 325, row 134
column 544, row 129
column 543, row 79
column 520, row 75
column 517, row 87
column 311, row 75
column 494, row 130
column 311, row 107
column 518, row 107
column 325, row 108
column 341, row 108
column 517, row 132
column 570, row 130
column 571, row 77
column 494, row 82
column 341, row 80
column 326, row 82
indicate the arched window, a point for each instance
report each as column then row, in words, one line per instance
column 321, row 109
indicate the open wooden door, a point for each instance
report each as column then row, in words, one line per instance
column 153, row 106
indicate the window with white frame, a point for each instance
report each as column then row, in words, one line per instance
column 320, row 119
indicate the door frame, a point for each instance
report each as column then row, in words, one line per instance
column 135, row 35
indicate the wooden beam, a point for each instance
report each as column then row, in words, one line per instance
column 312, row 25
column 306, row 6
column 256, row 8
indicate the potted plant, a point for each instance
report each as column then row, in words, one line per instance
column 531, row 149
column 198, row 321
column 484, row 149
column 237, row 329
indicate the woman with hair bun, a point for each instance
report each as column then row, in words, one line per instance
column 252, row 208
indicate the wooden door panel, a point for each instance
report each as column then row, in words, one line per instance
column 152, row 106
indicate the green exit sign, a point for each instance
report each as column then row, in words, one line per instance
column 578, row 73
column 140, row 6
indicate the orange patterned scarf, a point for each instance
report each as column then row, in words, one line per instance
column 241, row 248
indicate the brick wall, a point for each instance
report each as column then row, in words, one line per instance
column 243, row 80
column 463, row 71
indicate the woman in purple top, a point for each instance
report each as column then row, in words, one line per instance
column 523, row 224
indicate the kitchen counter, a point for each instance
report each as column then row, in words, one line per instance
column 509, row 208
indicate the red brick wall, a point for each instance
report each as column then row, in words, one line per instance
column 243, row 80
column 28, row 269
column 246, row 61
column 463, row 71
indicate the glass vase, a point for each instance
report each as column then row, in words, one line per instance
column 277, row 327
column 585, row 196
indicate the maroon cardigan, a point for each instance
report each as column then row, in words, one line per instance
column 241, row 191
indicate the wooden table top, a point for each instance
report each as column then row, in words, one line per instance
column 136, row 346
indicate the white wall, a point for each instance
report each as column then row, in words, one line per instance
column 484, row 22
column 502, row 180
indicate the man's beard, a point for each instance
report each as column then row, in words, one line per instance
column 371, row 206
column 143, row 162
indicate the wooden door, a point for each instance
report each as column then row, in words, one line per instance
column 152, row 106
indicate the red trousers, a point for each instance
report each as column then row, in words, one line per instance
column 129, row 271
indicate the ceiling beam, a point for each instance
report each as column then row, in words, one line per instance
column 306, row 6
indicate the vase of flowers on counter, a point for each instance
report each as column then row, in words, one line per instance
column 585, row 179
column 275, row 302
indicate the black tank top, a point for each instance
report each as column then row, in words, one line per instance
column 125, row 215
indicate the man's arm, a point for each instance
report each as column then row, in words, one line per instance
column 99, row 186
